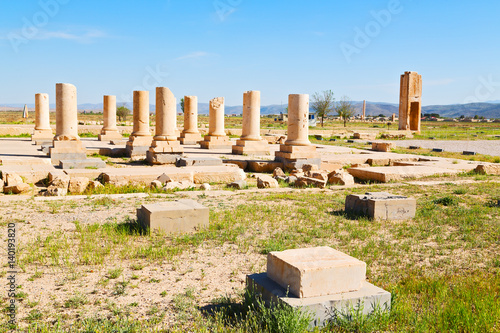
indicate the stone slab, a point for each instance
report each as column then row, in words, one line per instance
column 248, row 147
column 178, row 216
column 381, row 205
column 322, row 308
column 317, row 271
column 89, row 163
column 289, row 165
column 88, row 173
column 398, row 173
column 162, row 159
column 193, row 161
column 25, row 161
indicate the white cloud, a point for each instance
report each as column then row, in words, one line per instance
column 193, row 55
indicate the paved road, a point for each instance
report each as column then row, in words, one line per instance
column 486, row 147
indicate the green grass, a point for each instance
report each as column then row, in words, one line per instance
column 22, row 135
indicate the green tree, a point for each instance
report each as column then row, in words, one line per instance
column 345, row 109
column 323, row 104
column 122, row 112
column 182, row 104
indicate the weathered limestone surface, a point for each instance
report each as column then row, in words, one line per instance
column 397, row 173
column 489, row 169
column 365, row 136
column 43, row 131
column 410, row 101
column 381, row 205
column 216, row 138
column 382, row 146
column 67, row 144
column 109, row 130
column 165, row 139
column 316, row 271
column 82, row 164
column 174, row 216
column 190, row 134
column 250, row 142
column 140, row 140
column 297, row 146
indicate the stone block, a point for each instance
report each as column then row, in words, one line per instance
column 67, row 150
column 166, row 147
column 340, row 177
column 110, row 136
column 322, row 308
column 17, row 188
column 381, row 205
column 296, row 152
column 365, row 136
column 398, row 173
column 190, row 138
column 241, row 164
column 263, row 166
column 489, row 169
column 289, row 165
column 382, row 146
column 314, row 272
column 178, row 216
column 198, row 161
column 12, row 179
column 215, row 142
column 138, row 146
column 161, row 159
column 89, row 163
column 303, row 181
column 78, row 184
column 239, row 184
column 264, row 181
column 248, row 147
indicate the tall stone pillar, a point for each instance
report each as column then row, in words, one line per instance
column 393, row 117
column 67, row 144
column 190, row 135
column 297, row 149
column 364, row 111
column 165, row 140
column 43, row 131
column 140, row 140
column 250, row 141
column 410, row 101
column 216, row 138
column 109, row 130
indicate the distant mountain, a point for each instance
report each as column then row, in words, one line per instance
column 488, row 110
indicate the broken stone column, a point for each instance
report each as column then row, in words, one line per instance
column 140, row 140
column 190, row 135
column 393, row 117
column 364, row 110
column 250, row 142
column 216, row 138
column 67, row 144
column 43, row 131
column 165, row 141
column 410, row 101
column 109, row 130
column 297, row 149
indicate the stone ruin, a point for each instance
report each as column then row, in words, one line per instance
column 410, row 101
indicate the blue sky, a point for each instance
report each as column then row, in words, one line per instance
column 213, row 48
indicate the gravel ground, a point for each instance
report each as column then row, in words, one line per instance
column 485, row 147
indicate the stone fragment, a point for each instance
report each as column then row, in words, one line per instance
column 205, row 187
column 381, row 205
column 78, row 184
column 340, row 177
column 156, row 184
column 307, row 181
column 61, row 181
column 239, row 184
column 382, row 146
column 321, row 175
column 2, row 184
column 316, row 271
column 12, row 179
column 178, row 216
column 278, row 173
column 164, row 179
column 241, row 164
column 56, row 191
column 291, row 180
column 94, row 184
column 263, row 166
column 489, row 169
column 17, row 188
column 182, row 185
column 310, row 167
column 264, row 181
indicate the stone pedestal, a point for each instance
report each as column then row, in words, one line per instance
column 320, row 281
column 297, row 146
column 381, row 205
column 67, row 144
column 109, row 130
column 140, row 140
column 216, row 138
column 190, row 135
column 250, row 142
column 165, row 139
column 43, row 131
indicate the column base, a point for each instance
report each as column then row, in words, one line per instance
column 247, row 147
column 297, row 152
column 215, row 142
column 162, row 158
column 42, row 136
column 190, row 138
column 166, row 147
column 137, row 146
column 67, row 150
column 110, row 136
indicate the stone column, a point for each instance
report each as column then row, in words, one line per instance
column 140, row 140
column 364, row 110
column 109, row 130
column 410, row 101
column 216, row 138
column 165, row 139
column 297, row 147
column 67, row 144
column 190, row 135
column 250, row 141
column 43, row 131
